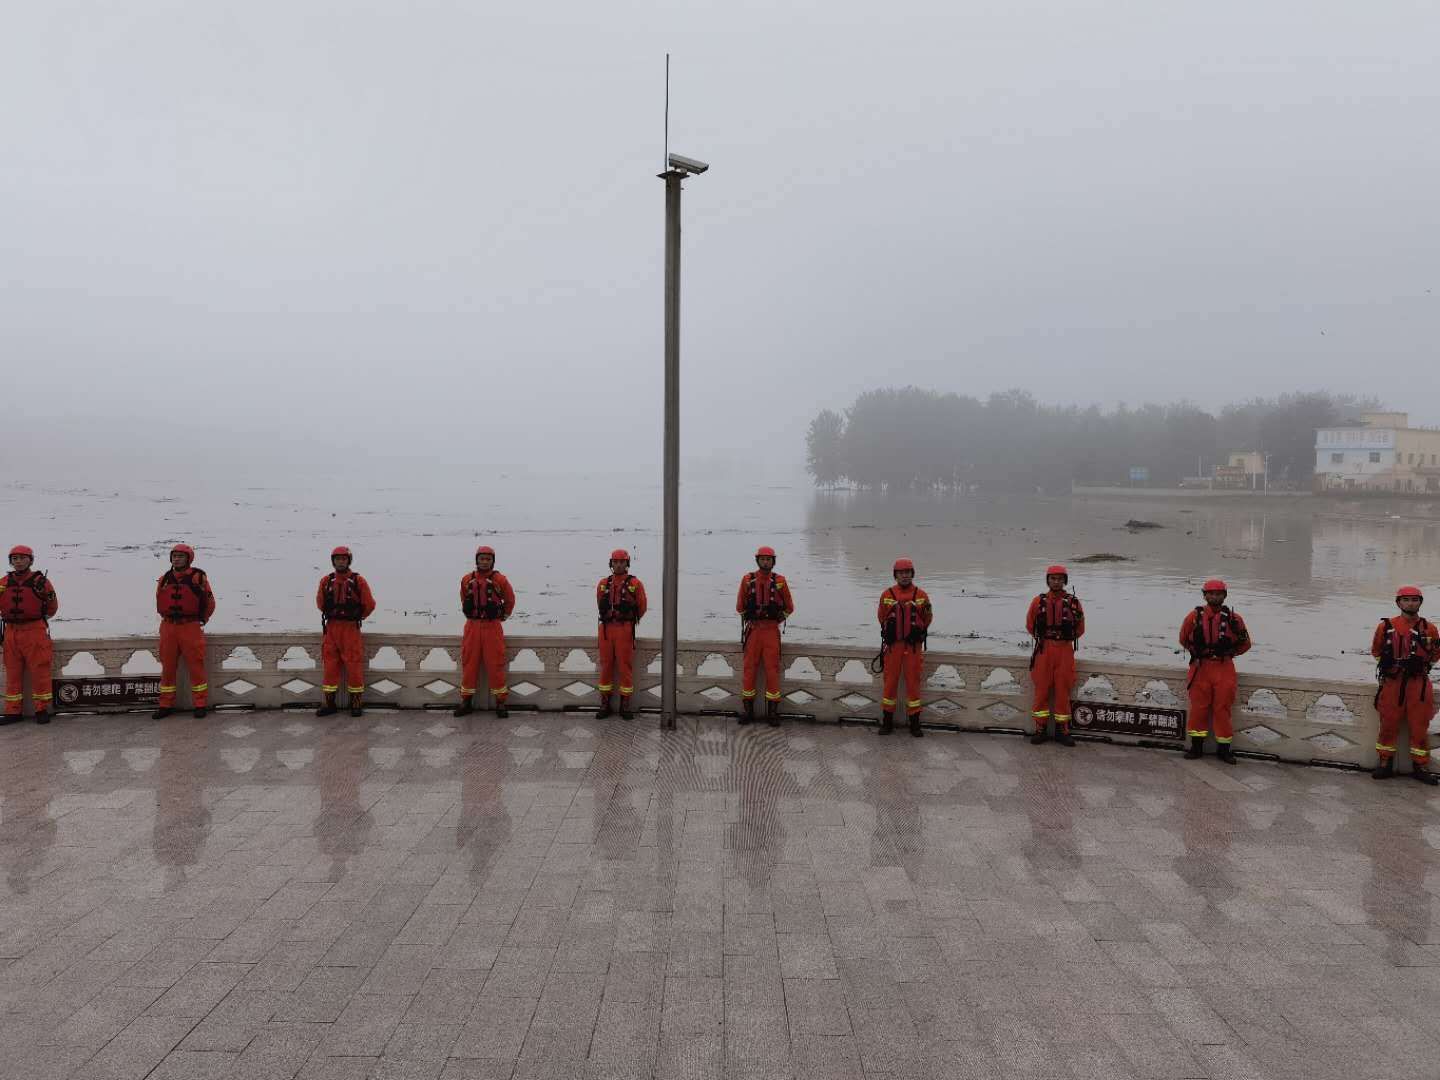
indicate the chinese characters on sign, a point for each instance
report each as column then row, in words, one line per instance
column 88, row 693
column 1119, row 719
column 1355, row 439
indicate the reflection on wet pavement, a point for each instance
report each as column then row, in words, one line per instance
column 263, row 894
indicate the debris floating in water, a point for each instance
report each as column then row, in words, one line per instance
column 1104, row 556
column 1136, row 523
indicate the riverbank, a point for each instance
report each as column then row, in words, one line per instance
column 1186, row 493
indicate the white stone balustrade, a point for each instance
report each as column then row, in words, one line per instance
column 1293, row 719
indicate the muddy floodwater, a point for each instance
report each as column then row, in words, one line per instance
column 1311, row 576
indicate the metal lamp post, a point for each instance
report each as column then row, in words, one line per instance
column 678, row 168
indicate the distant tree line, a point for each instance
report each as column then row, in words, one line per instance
column 910, row 437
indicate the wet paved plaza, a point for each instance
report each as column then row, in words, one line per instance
column 414, row 896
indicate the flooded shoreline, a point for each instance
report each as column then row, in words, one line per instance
column 1311, row 575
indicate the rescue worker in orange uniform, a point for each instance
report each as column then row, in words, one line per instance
column 487, row 600
column 905, row 614
column 622, row 604
column 1214, row 635
column 764, row 603
column 27, row 603
column 1405, row 647
column 1055, row 621
column 185, row 602
column 345, row 601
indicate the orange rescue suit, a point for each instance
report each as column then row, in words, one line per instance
column 185, row 603
column 487, row 600
column 1214, row 637
column 765, row 602
column 905, row 614
column 622, row 604
column 1409, row 646
column 345, row 601
column 26, row 601
column 1056, row 621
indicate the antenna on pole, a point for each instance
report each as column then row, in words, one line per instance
column 665, row 162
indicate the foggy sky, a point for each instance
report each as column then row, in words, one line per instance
column 365, row 230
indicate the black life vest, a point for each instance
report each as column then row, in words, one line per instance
column 486, row 603
column 1229, row 634
column 625, row 608
column 25, row 598
column 770, row 606
column 186, row 599
column 1068, row 628
column 1405, row 654
column 342, row 598
column 905, row 622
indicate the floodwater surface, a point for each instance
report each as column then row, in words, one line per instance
column 1311, row 576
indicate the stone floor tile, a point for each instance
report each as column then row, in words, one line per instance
column 806, row 956
column 337, row 1068
column 691, row 1057
column 104, row 1016
column 496, row 1029
column 365, row 1025
column 693, row 1005
column 278, row 1050
column 284, row 967
column 167, row 963
column 194, row 1065
column 626, row 1039
column 136, row 1050
column 520, row 971
column 402, row 969
column 637, row 977
column 199, row 990
column 231, row 1025
column 816, row 1007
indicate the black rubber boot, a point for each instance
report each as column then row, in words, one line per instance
column 1385, row 770
column 328, row 708
column 772, row 713
column 162, row 712
column 1040, row 736
column 625, row 713
column 916, row 731
column 1424, row 776
column 747, row 711
column 604, row 712
column 465, row 708
column 1197, row 748
column 42, row 716
column 1063, row 736
column 200, row 712
column 357, row 706
column 887, row 723
column 1224, row 752
column 501, row 712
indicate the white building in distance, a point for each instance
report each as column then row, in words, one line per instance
column 1381, row 453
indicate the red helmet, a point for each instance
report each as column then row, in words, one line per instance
column 484, row 549
column 621, row 554
column 1057, row 569
column 21, row 549
column 341, row 550
column 766, row 550
column 903, row 564
column 1215, row 585
column 1405, row 591
column 184, row 549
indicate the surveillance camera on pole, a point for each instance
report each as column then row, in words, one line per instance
column 679, row 167
column 688, row 166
